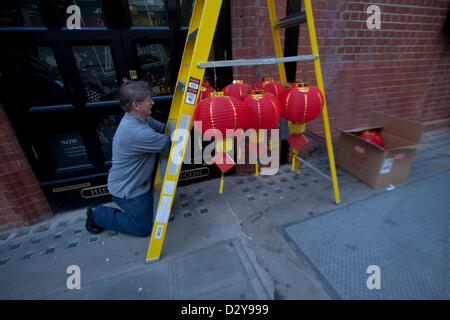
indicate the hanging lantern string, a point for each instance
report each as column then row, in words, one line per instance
column 215, row 79
column 301, row 73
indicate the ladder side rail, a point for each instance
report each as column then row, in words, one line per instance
column 174, row 107
column 276, row 38
column 318, row 72
column 206, row 14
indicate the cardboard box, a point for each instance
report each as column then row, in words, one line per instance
column 374, row 165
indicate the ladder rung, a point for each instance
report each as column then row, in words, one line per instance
column 254, row 62
column 193, row 34
column 314, row 168
column 292, row 20
column 181, row 84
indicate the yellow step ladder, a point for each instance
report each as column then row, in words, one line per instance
column 197, row 47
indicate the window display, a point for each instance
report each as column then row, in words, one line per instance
column 91, row 12
column 69, row 152
column 97, row 72
column 154, row 60
column 25, row 13
column 38, row 72
column 105, row 131
column 147, row 13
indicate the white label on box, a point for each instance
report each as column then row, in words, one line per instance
column 164, row 209
column 387, row 166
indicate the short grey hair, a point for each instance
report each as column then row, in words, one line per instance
column 133, row 90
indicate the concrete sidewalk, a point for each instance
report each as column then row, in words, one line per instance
column 227, row 246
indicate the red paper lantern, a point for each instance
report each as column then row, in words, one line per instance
column 263, row 110
column 237, row 89
column 219, row 113
column 270, row 85
column 372, row 136
column 302, row 103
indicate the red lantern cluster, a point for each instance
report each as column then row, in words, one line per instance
column 240, row 107
column 299, row 104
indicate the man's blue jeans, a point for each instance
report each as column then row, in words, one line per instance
column 135, row 219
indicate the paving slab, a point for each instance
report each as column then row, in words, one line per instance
column 407, row 240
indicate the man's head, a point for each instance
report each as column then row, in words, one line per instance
column 136, row 98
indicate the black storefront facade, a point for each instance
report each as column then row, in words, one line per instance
column 59, row 83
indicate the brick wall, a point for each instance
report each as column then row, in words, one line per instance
column 401, row 69
column 21, row 199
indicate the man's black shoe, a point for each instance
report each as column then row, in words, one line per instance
column 90, row 226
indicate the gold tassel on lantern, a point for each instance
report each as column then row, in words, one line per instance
column 223, row 146
column 293, row 160
column 255, row 139
column 200, row 143
column 296, row 128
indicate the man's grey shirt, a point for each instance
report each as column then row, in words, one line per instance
column 134, row 148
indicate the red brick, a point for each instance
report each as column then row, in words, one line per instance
column 15, row 218
column 6, row 212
